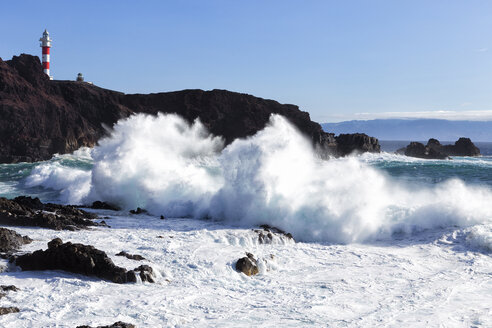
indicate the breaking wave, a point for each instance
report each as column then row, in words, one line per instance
column 275, row 177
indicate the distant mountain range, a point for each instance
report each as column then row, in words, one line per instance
column 415, row 129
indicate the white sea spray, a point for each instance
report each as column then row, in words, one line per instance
column 274, row 177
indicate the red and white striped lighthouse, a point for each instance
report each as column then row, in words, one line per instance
column 46, row 45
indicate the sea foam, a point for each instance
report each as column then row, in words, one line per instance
column 275, row 177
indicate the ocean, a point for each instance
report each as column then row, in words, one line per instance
column 381, row 238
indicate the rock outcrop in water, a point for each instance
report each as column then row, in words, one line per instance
column 247, row 265
column 82, row 259
column 39, row 117
column 7, row 310
column 4, row 289
column 357, row 142
column 118, row 324
column 266, row 236
column 435, row 150
column 11, row 240
column 27, row 211
column 99, row 205
column 135, row 257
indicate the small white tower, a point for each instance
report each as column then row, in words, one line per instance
column 46, row 45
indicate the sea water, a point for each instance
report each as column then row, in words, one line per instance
column 381, row 238
column 275, row 177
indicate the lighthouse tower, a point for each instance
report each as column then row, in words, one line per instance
column 46, row 45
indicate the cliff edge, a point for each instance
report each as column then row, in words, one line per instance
column 39, row 117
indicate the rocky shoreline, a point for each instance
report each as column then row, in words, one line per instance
column 83, row 259
column 40, row 117
column 27, row 211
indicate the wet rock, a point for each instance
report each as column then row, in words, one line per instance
column 138, row 211
column 55, row 243
column 145, row 272
column 29, row 202
column 104, row 224
column 76, row 258
column 118, row 324
column 462, row 147
column 356, row 142
column 11, row 240
column 135, row 257
column 435, row 150
column 265, row 236
column 247, row 265
column 27, row 211
column 99, row 205
column 417, row 149
column 9, row 288
column 7, row 310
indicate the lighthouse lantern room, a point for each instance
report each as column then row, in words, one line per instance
column 46, row 45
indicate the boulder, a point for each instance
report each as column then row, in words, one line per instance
column 77, row 258
column 11, row 240
column 247, row 265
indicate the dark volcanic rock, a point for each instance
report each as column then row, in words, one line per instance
column 435, row 150
column 247, row 265
column 27, row 211
column 7, row 310
column 145, row 272
column 462, row 147
column 139, row 211
column 98, row 205
column 29, row 202
column 417, row 149
column 265, row 236
column 356, row 142
column 77, row 258
column 5, row 288
column 9, row 288
column 11, row 240
column 39, row 117
column 135, row 257
column 118, row 324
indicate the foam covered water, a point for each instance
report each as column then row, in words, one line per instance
column 275, row 177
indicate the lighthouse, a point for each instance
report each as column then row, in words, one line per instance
column 46, row 45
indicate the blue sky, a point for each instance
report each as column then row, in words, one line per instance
column 335, row 59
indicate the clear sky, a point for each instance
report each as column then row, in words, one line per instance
column 335, row 59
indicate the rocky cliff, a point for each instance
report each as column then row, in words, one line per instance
column 39, row 117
